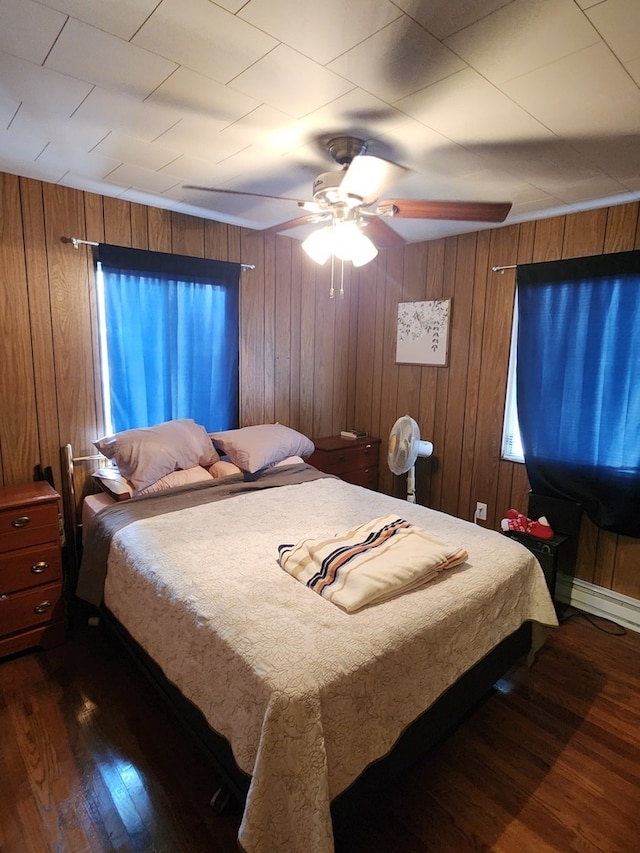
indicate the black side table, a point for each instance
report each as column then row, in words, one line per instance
column 553, row 554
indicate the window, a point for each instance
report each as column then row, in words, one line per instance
column 578, row 351
column 169, row 338
column 511, row 441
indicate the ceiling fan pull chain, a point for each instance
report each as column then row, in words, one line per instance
column 332, row 291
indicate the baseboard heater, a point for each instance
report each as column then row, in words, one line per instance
column 599, row 601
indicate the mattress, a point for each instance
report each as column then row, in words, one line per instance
column 92, row 504
column 306, row 694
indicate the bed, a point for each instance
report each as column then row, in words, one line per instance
column 311, row 704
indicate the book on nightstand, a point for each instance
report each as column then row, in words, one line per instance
column 352, row 433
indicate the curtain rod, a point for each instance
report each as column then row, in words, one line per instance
column 76, row 241
column 502, row 269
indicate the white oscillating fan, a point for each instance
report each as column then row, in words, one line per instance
column 405, row 446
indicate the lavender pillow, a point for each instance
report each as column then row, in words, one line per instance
column 147, row 454
column 255, row 447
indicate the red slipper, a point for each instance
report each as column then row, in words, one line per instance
column 541, row 529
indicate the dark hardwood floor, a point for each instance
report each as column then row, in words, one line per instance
column 91, row 760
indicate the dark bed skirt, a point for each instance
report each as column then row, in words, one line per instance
column 424, row 733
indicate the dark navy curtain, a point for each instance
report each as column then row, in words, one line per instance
column 172, row 329
column 578, row 384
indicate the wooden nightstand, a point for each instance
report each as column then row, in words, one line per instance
column 31, row 600
column 353, row 460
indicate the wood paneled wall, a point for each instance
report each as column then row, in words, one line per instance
column 314, row 363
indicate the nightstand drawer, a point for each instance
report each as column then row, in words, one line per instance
column 22, row 610
column 30, row 567
column 367, row 477
column 349, row 458
column 28, row 525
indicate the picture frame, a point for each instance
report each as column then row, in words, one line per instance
column 423, row 332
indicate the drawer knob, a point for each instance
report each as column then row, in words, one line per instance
column 42, row 607
column 341, row 457
column 39, row 568
column 21, row 521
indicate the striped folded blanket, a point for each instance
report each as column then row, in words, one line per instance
column 369, row 564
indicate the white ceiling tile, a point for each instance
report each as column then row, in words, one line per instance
column 231, row 5
column 586, row 4
column 547, row 162
column 82, row 182
column 8, row 109
column 407, row 58
column 127, row 149
column 523, row 36
column 634, row 70
column 39, row 87
column 120, row 17
column 139, row 196
column 388, row 132
column 618, row 157
column 142, row 179
column 618, row 22
column 321, row 31
column 597, row 187
column 193, row 170
column 24, row 146
column 240, row 208
column 262, row 127
column 28, row 29
column 90, row 54
column 482, row 185
column 357, row 113
column 586, row 94
column 201, row 137
column 109, row 110
column 444, row 17
column 64, row 132
column 87, row 164
column 204, row 38
column 23, row 166
column 466, row 109
column 290, row 82
column 252, row 170
column 188, row 91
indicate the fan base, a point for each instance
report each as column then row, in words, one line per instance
column 344, row 148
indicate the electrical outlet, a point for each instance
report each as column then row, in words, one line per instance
column 481, row 511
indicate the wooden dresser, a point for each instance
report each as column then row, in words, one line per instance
column 353, row 460
column 31, row 600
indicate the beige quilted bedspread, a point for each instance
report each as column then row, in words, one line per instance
column 307, row 694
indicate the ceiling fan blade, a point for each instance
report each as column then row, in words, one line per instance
column 463, row 211
column 368, row 177
column 241, row 192
column 294, row 223
column 381, row 234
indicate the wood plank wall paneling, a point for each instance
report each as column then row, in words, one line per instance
column 19, row 445
column 317, row 364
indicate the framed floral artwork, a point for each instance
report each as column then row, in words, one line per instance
column 423, row 332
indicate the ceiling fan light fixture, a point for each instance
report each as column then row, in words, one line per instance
column 345, row 240
column 350, row 244
column 319, row 245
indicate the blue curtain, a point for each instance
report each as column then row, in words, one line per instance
column 578, row 384
column 172, row 329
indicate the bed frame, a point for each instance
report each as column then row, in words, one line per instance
column 424, row 733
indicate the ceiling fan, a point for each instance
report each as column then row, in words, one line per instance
column 349, row 201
